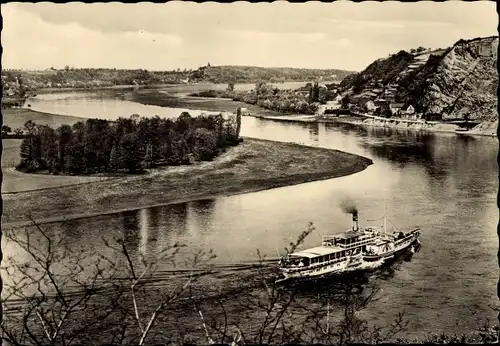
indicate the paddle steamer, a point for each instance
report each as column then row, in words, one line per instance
column 355, row 249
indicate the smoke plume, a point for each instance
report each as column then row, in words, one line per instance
column 348, row 206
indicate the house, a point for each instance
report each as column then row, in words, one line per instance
column 433, row 117
column 329, row 107
column 370, row 106
column 304, row 90
column 332, row 86
column 381, row 103
column 395, row 108
column 409, row 112
column 408, row 109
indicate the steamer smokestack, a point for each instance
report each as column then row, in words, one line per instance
column 355, row 226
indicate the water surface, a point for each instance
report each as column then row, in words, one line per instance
column 445, row 184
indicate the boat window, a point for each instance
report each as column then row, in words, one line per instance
column 295, row 261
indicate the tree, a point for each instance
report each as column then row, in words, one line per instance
column 30, row 127
column 64, row 133
column 41, row 283
column 114, row 160
column 76, row 162
column 205, row 144
column 238, row 122
column 230, row 87
column 184, row 122
column 346, row 100
column 6, row 130
column 60, row 296
column 149, row 155
column 18, row 132
column 314, row 92
column 49, row 151
column 260, row 90
column 30, row 160
column 132, row 154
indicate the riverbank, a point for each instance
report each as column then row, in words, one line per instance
column 252, row 166
column 486, row 128
column 176, row 97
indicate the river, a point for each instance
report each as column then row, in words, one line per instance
column 443, row 183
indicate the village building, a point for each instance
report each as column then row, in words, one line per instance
column 332, row 86
column 395, row 108
column 381, row 103
column 433, row 117
column 408, row 109
column 408, row 112
column 329, row 108
column 370, row 107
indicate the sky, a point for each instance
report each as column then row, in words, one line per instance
column 342, row 35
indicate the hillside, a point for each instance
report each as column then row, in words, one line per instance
column 253, row 74
column 459, row 82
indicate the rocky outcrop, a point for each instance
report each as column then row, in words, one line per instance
column 464, row 84
column 456, row 83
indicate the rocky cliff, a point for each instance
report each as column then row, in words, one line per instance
column 459, row 82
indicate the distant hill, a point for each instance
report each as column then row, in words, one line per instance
column 457, row 82
column 253, row 74
column 87, row 78
column 17, row 82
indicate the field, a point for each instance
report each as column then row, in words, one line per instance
column 16, row 117
column 253, row 165
column 14, row 181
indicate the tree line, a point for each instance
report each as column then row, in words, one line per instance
column 128, row 144
column 253, row 74
column 284, row 101
column 70, row 77
column 89, row 78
